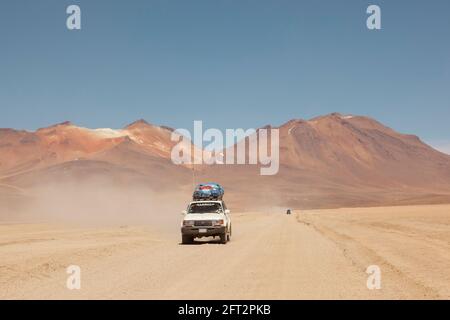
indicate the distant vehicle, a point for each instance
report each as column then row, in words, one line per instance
column 288, row 211
column 208, row 191
column 205, row 219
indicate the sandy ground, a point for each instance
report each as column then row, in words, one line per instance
column 320, row 254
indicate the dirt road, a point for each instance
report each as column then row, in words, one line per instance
column 308, row 255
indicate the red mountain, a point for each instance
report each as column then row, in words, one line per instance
column 333, row 160
column 337, row 160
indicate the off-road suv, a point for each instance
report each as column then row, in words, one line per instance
column 205, row 219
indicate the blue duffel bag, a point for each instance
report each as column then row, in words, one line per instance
column 208, row 191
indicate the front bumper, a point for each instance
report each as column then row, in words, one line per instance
column 210, row 231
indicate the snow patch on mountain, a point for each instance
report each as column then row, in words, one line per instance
column 110, row 133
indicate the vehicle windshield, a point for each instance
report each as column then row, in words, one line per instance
column 205, row 207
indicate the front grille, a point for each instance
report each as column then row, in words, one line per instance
column 203, row 223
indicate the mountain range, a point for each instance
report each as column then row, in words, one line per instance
column 329, row 161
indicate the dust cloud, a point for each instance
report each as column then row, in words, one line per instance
column 98, row 202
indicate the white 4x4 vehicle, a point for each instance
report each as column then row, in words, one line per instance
column 205, row 219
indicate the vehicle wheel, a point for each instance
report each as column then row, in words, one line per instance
column 223, row 238
column 229, row 235
column 186, row 239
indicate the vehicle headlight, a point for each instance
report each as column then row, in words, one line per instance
column 219, row 222
column 188, row 223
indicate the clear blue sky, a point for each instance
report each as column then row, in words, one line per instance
column 230, row 63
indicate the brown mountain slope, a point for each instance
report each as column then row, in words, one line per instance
column 328, row 161
column 359, row 148
column 21, row 151
column 337, row 160
column 93, row 174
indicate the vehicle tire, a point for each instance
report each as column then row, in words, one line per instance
column 186, row 239
column 223, row 238
column 229, row 235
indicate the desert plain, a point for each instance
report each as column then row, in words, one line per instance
column 311, row 254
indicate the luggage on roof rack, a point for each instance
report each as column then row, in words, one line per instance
column 208, row 191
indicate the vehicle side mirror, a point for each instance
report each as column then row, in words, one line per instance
column 227, row 211
column 184, row 212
